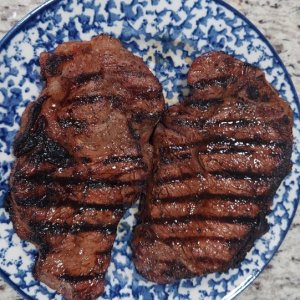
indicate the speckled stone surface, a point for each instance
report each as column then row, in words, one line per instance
column 280, row 22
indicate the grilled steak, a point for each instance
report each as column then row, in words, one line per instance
column 82, row 158
column 219, row 158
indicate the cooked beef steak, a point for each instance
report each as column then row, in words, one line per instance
column 219, row 158
column 83, row 157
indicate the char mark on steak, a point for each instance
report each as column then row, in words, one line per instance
column 219, row 158
column 83, row 156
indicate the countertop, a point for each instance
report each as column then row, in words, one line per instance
column 279, row 21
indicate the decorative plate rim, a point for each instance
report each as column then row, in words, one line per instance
column 19, row 26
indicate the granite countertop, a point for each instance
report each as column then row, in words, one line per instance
column 279, row 20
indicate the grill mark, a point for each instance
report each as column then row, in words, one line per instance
column 225, row 142
column 153, row 95
column 208, row 196
column 248, row 65
column 68, row 122
column 219, row 175
column 44, row 247
column 90, row 99
column 181, row 147
column 126, row 158
column 248, row 143
column 206, row 123
column 53, row 62
column 134, row 133
column 145, row 95
column 46, row 179
column 81, row 100
column 184, row 176
column 230, row 150
column 196, row 123
column 139, row 117
column 86, row 77
column 252, row 92
column 74, row 279
column 62, row 228
column 237, row 123
column 204, row 103
column 116, row 183
column 182, row 239
column 52, row 152
column 169, row 160
column 245, row 122
column 45, row 202
column 222, row 81
column 185, row 219
column 25, row 142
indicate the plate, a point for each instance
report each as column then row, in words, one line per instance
column 168, row 35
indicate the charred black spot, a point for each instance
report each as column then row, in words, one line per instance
column 7, row 203
column 147, row 95
column 203, row 104
column 61, row 228
column 190, row 123
column 87, row 99
column 211, row 197
column 47, row 179
column 28, row 139
column 51, row 201
column 86, row 160
column 134, row 133
column 34, row 138
column 139, row 117
column 252, row 92
column 260, row 78
column 286, row 120
column 174, row 179
column 171, row 159
column 86, row 77
column 116, row 101
column 114, row 183
column 52, row 152
column 265, row 98
column 118, row 159
column 53, row 62
column 222, row 81
column 65, row 123
column 247, row 65
column 44, row 249
column 221, row 219
column 236, row 123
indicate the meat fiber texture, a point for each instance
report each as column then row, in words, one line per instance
column 83, row 156
column 219, row 158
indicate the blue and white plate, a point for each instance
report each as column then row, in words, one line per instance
column 168, row 35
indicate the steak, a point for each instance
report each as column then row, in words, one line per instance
column 83, row 156
column 219, row 158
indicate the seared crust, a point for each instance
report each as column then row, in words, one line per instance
column 83, row 157
column 219, row 158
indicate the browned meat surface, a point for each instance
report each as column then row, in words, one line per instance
column 218, row 159
column 82, row 158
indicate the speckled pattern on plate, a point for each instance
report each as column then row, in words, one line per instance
column 168, row 35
